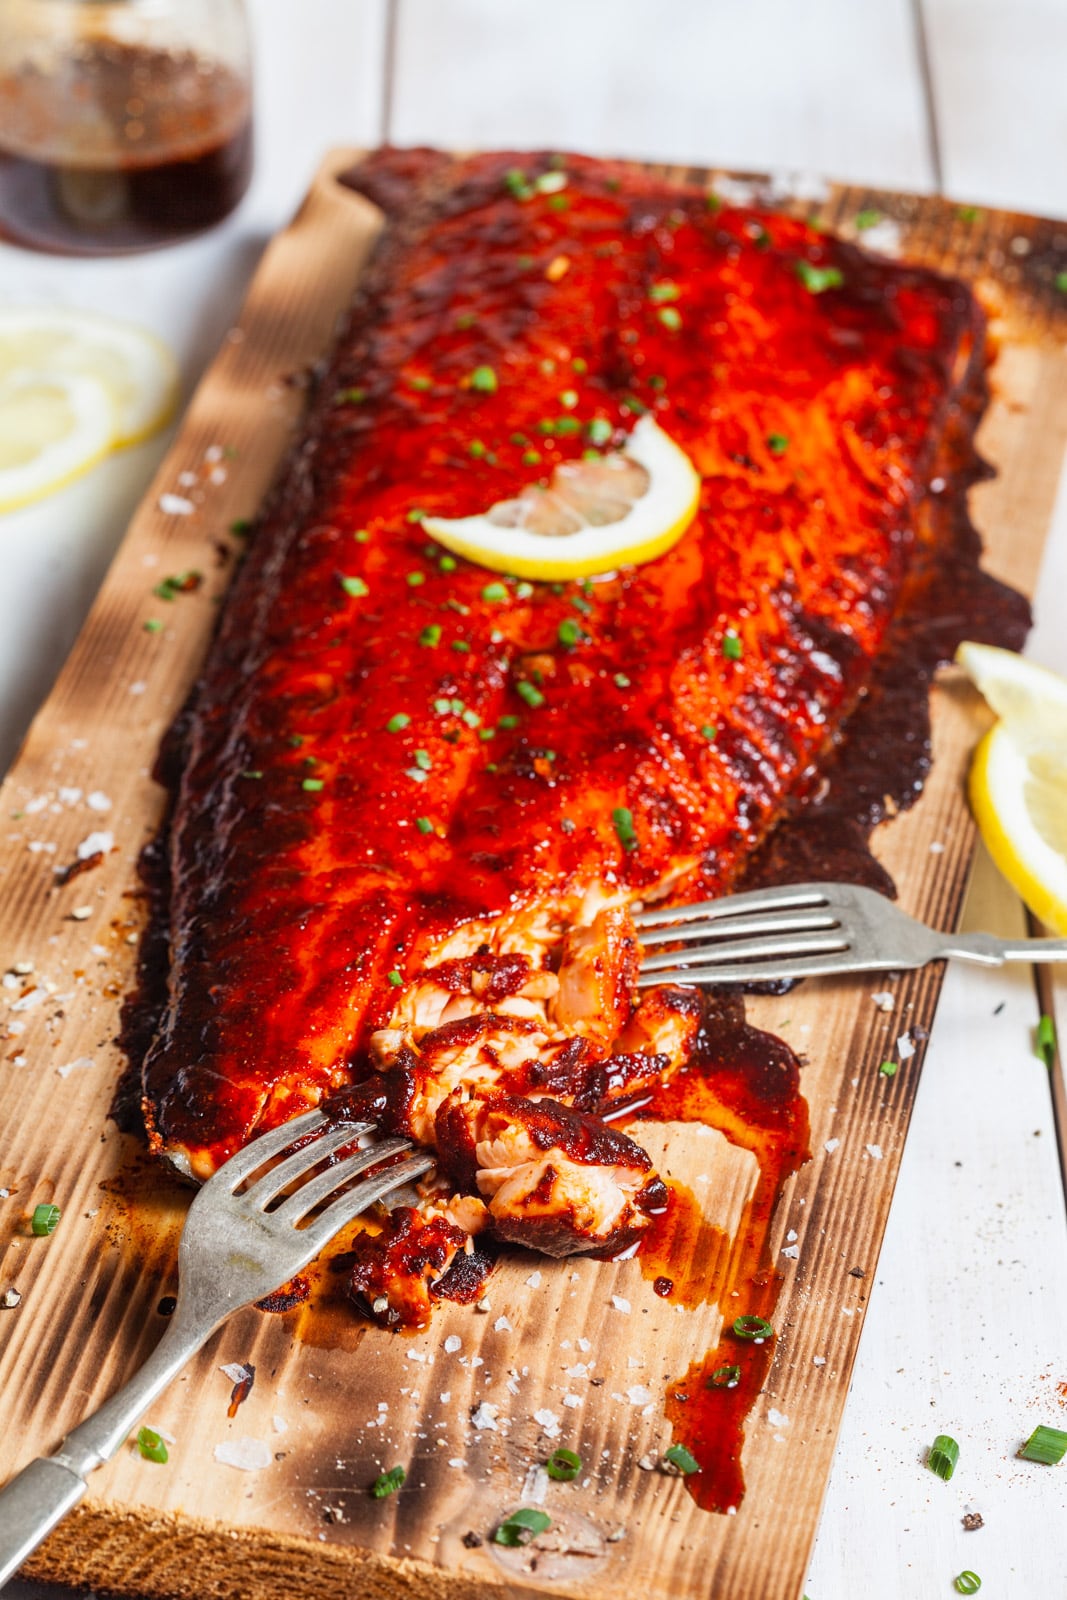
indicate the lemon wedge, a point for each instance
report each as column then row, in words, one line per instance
column 53, row 426
column 619, row 509
column 72, row 387
column 1018, row 779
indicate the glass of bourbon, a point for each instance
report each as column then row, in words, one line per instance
column 124, row 124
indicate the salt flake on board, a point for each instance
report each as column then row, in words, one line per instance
column 245, row 1453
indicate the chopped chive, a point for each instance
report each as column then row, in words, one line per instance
column 1047, row 1445
column 685, row 1461
column 712, row 202
column 420, row 383
column 777, row 444
column 522, row 1526
column 523, row 591
column 670, row 317
column 252, row 772
column 866, row 219
column 416, row 774
column 563, row 1465
column 968, row 1582
column 416, row 514
column 483, row 379
column 566, row 427
column 395, row 979
column 1046, row 1039
column 517, row 183
column 580, row 603
column 485, row 734
column 494, row 591
column 456, row 706
column 422, row 760
column 508, row 721
column 943, row 1455
column 448, row 563
column 312, row 785
column 1060, row 281
column 530, row 458
column 241, row 526
column 621, row 681
column 295, row 740
column 569, row 399
column 599, row 431
column 152, row 625
column 550, row 182
column 177, row 583
column 353, row 586
column 968, row 213
column 431, row 634
column 397, row 722
column 725, row 1378
column 44, row 1220
column 477, row 449
column 661, row 293
column 151, row 1446
column 442, row 707
column 424, row 824
column 580, row 365
column 731, row 646
column 387, row 1483
column 623, row 820
column 817, row 280
column 349, row 397
column 471, row 718
column 752, row 1328
column 415, row 580
column 532, row 696
column 569, row 633
column 461, row 646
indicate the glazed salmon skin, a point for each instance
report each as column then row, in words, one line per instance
column 408, row 793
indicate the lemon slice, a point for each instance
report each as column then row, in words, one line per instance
column 1018, row 780
column 136, row 369
column 619, row 509
column 53, row 426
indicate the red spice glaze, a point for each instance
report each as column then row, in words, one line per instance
column 289, row 905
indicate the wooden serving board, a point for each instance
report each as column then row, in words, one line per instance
column 559, row 1355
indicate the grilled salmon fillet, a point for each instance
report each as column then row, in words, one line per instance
column 395, row 851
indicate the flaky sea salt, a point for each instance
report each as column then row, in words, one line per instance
column 249, row 1455
column 620, row 1303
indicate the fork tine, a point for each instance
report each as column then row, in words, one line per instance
column 733, row 905
column 309, row 1195
column 758, row 971
column 264, row 1148
column 349, row 1205
column 797, row 921
column 273, row 1182
column 761, row 952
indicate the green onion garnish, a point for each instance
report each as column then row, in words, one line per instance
column 416, row 579
column 431, row 635
column 1061, row 282
column 483, row 379
column 509, row 720
column 563, row 1465
column 683, row 1459
column 44, row 1220
column 361, row 536
column 725, row 1378
column 531, row 458
column 968, row 213
column 530, row 694
column 416, row 515
column 754, row 1328
column 395, row 979
column 888, row 1069
column 349, row 397
column 709, row 731
column 777, row 444
column 621, row 681
column 1046, row 1040
column 424, row 824
column 471, row 718
column 968, row 1583
column 599, row 430
column 731, row 646
column 448, row 563
column 353, row 586
column 1047, row 1445
column 569, row 399
column 152, row 625
column 550, row 182
column 495, row 591
column 569, row 633
column 312, row 785
column 151, row 1446
column 241, row 526
column 660, row 293
column 866, row 219
column 623, row 820
column 522, row 1526
column 387, row 1483
column 670, row 317
column 817, row 280
column 943, row 1455
column 395, row 724
column 422, row 760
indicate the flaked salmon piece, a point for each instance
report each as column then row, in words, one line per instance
column 395, row 764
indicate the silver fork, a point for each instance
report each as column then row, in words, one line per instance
column 233, row 1251
column 808, row 930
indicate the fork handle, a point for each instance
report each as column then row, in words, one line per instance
column 989, row 951
column 40, row 1495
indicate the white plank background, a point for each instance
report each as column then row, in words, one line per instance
column 964, row 1332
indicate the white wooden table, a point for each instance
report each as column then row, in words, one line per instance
column 965, row 1328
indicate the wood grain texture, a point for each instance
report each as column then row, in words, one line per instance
column 88, row 1314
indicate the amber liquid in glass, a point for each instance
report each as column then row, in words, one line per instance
column 121, row 149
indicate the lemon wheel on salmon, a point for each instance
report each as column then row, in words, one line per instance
column 619, row 509
column 1018, row 779
column 74, row 385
